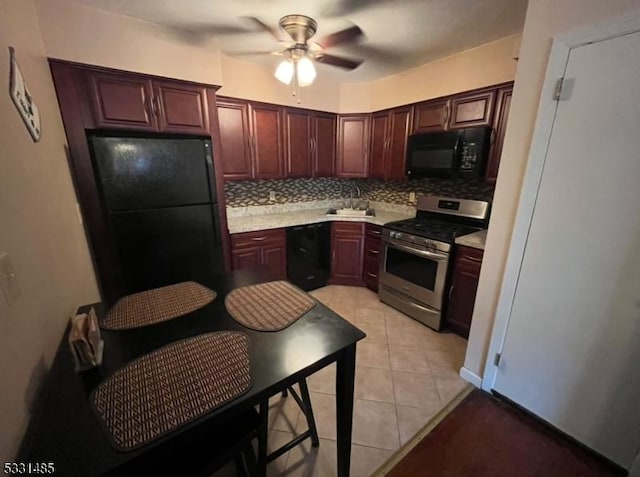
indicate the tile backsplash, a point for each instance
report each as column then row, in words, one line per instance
column 252, row 193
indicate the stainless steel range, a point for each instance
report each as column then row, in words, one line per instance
column 415, row 254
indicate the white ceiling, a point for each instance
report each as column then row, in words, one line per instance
column 399, row 34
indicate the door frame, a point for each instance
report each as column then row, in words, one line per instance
column 558, row 59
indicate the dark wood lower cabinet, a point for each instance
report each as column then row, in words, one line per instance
column 462, row 292
column 372, row 248
column 347, row 247
column 265, row 248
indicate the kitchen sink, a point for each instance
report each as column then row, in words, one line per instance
column 352, row 212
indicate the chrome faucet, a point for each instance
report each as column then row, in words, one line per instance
column 353, row 186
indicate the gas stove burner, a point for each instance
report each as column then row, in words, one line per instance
column 432, row 229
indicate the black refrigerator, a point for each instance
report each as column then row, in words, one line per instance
column 159, row 200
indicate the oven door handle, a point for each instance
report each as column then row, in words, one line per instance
column 422, row 253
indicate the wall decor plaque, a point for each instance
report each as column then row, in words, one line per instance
column 23, row 100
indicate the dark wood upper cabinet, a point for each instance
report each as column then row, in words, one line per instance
column 389, row 132
column 297, row 142
column 135, row 102
column 121, row 101
column 266, row 141
column 503, row 104
column 352, row 158
column 399, row 127
column 379, row 143
column 181, row 108
column 474, row 109
column 266, row 135
column 233, row 117
column 294, row 142
column 430, row 116
column 324, row 144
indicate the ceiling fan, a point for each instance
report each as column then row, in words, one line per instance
column 300, row 53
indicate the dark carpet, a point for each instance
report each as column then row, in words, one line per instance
column 485, row 436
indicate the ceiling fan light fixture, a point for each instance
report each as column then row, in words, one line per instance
column 306, row 71
column 284, row 71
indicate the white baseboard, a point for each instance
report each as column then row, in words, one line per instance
column 473, row 378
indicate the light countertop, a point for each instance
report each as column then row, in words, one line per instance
column 474, row 240
column 302, row 217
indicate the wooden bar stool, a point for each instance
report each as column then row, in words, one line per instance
column 303, row 400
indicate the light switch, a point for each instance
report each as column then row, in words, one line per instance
column 272, row 195
column 8, row 280
column 412, row 197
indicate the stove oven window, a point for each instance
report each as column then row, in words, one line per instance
column 418, row 270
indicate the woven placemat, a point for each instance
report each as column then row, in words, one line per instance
column 269, row 306
column 157, row 305
column 171, row 386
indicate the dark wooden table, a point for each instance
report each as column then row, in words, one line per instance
column 64, row 429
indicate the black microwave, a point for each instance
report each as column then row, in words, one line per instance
column 459, row 153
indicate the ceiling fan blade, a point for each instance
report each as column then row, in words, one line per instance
column 342, row 8
column 339, row 61
column 255, row 52
column 199, row 34
column 275, row 32
column 348, row 35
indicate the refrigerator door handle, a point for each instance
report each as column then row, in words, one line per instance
column 216, row 225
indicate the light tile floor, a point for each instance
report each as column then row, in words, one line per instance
column 405, row 374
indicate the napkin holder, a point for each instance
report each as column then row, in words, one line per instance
column 85, row 342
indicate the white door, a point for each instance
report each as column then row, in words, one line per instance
column 572, row 348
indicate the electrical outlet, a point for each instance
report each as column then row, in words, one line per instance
column 8, row 280
column 272, row 195
column 412, row 197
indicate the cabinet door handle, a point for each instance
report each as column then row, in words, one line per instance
column 446, row 114
column 375, row 232
column 148, row 107
column 374, row 252
column 259, row 239
column 372, row 275
column 493, row 136
column 451, row 291
column 156, row 106
column 471, row 259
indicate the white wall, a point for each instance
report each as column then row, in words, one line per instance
column 484, row 65
column 39, row 227
column 87, row 35
column 545, row 18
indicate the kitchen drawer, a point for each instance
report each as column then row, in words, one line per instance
column 370, row 273
column 372, row 248
column 374, row 231
column 468, row 256
column 259, row 237
column 349, row 228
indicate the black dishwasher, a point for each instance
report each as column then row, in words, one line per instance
column 308, row 255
